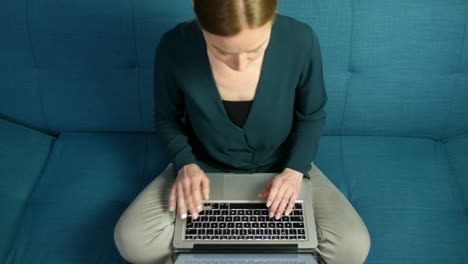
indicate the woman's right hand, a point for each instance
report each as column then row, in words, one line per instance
column 191, row 183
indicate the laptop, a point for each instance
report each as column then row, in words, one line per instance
column 190, row 258
column 235, row 220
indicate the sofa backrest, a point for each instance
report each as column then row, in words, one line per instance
column 392, row 68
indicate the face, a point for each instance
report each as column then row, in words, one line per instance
column 238, row 52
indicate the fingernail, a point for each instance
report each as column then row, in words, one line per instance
column 195, row 216
column 277, row 217
column 270, row 215
column 287, row 214
column 199, row 208
column 269, row 203
column 184, row 216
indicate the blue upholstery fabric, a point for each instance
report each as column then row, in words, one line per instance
column 88, row 182
column 23, row 154
column 395, row 141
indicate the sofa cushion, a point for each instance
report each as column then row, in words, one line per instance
column 23, row 153
column 457, row 158
column 398, row 185
column 89, row 181
column 405, row 193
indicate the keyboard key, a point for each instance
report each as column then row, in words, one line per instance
column 298, row 225
column 298, row 206
column 189, row 237
column 248, row 205
column 215, row 206
column 297, row 219
column 301, row 237
column 230, row 225
column 191, row 231
column 223, row 206
column 297, row 212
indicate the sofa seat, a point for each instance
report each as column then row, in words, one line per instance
column 407, row 190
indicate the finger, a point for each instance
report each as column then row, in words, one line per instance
column 186, row 183
column 172, row 198
column 206, row 187
column 273, row 190
column 292, row 202
column 197, row 197
column 282, row 205
column 277, row 200
column 181, row 209
column 265, row 191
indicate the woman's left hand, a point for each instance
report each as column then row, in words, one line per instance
column 282, row 191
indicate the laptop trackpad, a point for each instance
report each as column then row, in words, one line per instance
column 243, row 187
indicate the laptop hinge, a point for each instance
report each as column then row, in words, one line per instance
column 245, row 248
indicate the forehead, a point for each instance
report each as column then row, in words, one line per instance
column 246, row 40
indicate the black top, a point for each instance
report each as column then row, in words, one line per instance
column 237, row 111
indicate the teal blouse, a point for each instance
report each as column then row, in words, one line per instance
column 286, row 118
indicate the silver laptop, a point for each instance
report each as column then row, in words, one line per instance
column 235, row 220
column 256, row 258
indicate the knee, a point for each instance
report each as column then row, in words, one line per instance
column 351, row 246
column 355, row 244
column 137, row 244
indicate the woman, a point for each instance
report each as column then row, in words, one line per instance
column 248, row 84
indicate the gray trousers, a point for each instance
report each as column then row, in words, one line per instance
column 144, row 232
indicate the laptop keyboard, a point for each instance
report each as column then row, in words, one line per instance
column 244, row 221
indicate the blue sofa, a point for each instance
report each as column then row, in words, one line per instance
column 77, row 140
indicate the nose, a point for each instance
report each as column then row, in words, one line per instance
column 240, row 61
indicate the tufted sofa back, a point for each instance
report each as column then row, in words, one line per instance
column 392, row 68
